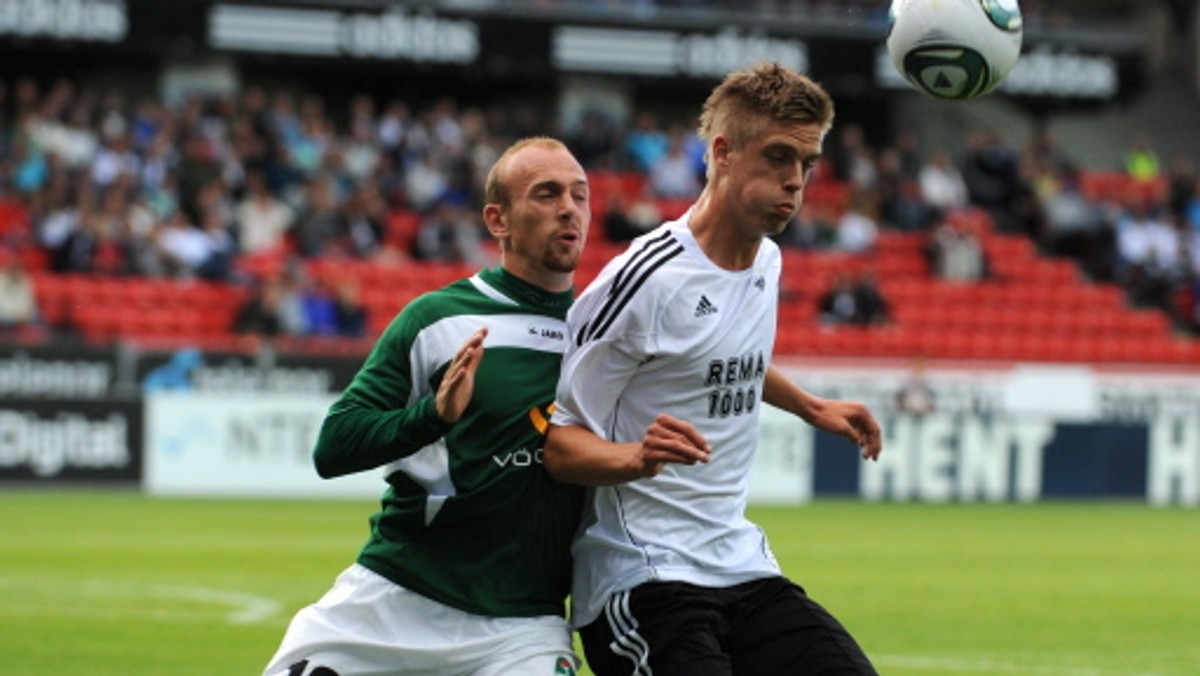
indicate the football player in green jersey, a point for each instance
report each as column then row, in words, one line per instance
column 467, row 564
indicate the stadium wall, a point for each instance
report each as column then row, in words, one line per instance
column 187, row 423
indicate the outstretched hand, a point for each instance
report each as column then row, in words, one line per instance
column 458, row 383
column 670, row 440
column 853, row 421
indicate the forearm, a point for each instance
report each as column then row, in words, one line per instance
column 355, row 438
column 780, row 392
column 848, row 419
column 574, row 454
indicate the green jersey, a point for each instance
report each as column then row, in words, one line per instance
column 470, row 518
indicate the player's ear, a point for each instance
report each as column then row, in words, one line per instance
column 496, row 220
column 720, row 151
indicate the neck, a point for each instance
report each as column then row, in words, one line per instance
column 554, row 282
column 719, row 232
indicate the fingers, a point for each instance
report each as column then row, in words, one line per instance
column 869, row 437
column 681, row 429
column 670, row 439
column 466, row 360
column 457, row 386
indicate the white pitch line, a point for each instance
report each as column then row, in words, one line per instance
column 246, row 608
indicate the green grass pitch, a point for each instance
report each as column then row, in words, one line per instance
column 100, row 583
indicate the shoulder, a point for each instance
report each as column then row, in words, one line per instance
column 432, row 307
column 627, row 296
column 641, row 264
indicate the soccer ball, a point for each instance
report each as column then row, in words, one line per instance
column 954, row 49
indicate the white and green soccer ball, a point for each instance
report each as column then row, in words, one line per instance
column 955, row 49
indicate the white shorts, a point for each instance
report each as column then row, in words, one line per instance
column 367, row 624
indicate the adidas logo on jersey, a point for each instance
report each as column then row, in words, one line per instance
column 705, row 307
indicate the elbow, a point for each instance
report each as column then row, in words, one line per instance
column 554, row 456
column 325, row 468
column 326, row 461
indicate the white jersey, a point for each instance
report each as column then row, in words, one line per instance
column 662, row 329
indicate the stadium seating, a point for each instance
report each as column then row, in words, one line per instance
column 1030, row 308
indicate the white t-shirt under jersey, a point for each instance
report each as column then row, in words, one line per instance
column 662, row 329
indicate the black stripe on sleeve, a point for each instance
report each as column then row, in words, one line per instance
column 619, row 297
column 636, row 260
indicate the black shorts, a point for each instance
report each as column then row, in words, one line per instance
column 767, row 627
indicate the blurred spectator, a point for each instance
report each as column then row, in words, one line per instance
column 18, row 305
column 956, row 254
column 1141, row 162
column 320, row 307
column 593, row 142
column 623, row 222
column 218, row 264
column 115, row 160
column 182, row 246
column 262, row 218
column 857, row 230
column 1148, row 250
column 274, row 307
column 359, row 152
column 260, row 314
column 1073, row 224
column 333, row 309
column 31, row 166
column 320, row 219
column 1181, row 184
column 363, row 221
column 674, row 176
column 852, row 159
column 617, row 225
column 941, row 184
column 392, row 127
column 91, row 247
column 351, row 315
column 1192, row 210
column 839, row 303
column 915, row 396
column 873, row 307
column 425, row 182
column 449, row 234
column 899, row 197
column 990, row 172
column 814, row 228
column 853, row 300
column 1189, row 305
column 646, row 144
column 55, row 213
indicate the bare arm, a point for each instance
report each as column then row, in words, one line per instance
column 848, row 419
column 575, row 454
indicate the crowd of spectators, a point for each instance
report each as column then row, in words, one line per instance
column 191, row 190
column 1140, row 231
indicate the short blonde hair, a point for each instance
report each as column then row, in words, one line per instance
column 748, row 100
column 496, row 189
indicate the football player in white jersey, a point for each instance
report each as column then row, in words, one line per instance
column 668, row 365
